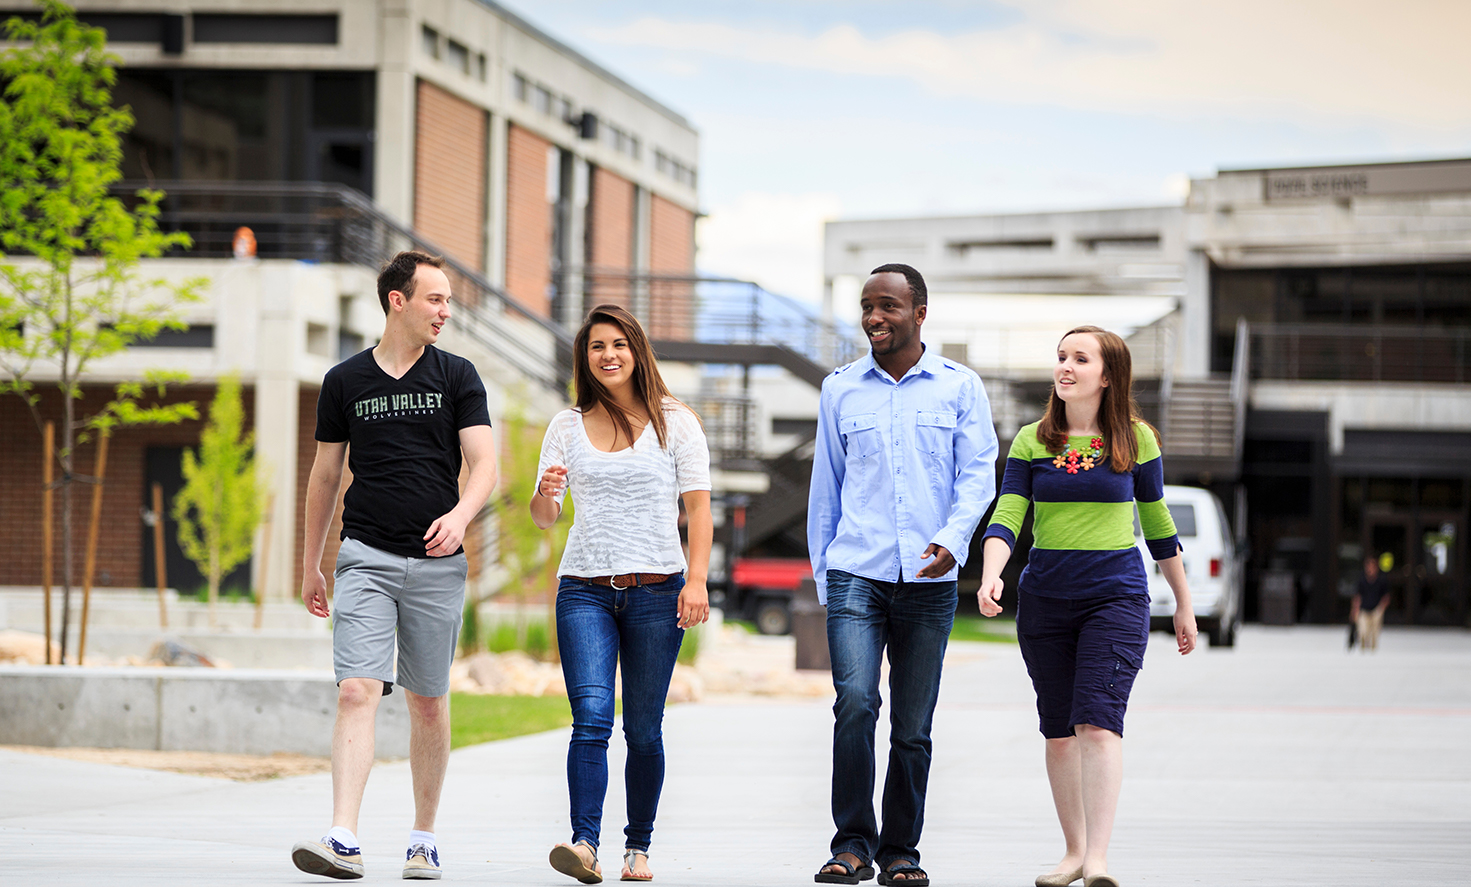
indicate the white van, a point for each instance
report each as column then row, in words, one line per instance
column 1212, row 567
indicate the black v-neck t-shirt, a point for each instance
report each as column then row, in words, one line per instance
column 403, row 443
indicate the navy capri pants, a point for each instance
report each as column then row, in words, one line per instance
column 1082, row 655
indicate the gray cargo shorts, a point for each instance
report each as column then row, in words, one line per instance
column 377, row 596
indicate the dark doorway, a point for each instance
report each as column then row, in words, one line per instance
column 163, row 467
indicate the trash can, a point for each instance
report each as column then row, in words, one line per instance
column 1277, row 598
column 809, row 627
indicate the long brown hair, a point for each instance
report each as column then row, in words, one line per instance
column 649, row 386
column 1117, row 411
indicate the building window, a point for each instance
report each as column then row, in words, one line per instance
column 232, row 28
column 458, row 57
column 1108, row 244
column 196, row 336
column 672, row 168
column 541, row 99
column 520, row 88
column 431, row 42
column 480, row 67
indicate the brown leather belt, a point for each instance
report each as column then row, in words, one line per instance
column 629, row 580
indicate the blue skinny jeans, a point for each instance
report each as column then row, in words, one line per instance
column 596, row 628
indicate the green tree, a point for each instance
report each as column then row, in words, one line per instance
column 528, row 555
column 220, row 505
column 70, row 288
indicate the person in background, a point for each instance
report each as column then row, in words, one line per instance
column 1369, row 603
column 1082, row 614
column 628, row 453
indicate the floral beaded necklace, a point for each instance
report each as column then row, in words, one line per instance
column 1072, row 459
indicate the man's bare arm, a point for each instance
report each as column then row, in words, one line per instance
column 446, row 534
column 321, row 500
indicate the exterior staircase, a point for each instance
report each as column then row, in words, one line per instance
column 1199, row 428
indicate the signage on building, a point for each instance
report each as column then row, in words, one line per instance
column 1362, row 181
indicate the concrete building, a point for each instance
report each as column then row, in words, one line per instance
column 1302, row 336
column 340, row 133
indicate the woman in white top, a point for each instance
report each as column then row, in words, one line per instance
column 627, row 452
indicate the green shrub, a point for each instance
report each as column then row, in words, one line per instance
column 470, row 641
column 503, row 639
column 538, row 640
column 689, row 648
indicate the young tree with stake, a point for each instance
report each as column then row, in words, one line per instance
column 70, row 289
column 220, row 506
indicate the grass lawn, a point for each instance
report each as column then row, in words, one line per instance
column 475, row 719
column 976, row 628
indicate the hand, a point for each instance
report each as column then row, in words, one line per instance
column 694, row 604
column 314, row 592
column 1185, row 634
column 445, row 535
column 944, row 562
column 989, row 597
column 552, row 481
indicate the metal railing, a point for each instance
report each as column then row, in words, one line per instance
column 1240, row 387
column 330, row 223
column 730, row 429
column 1342, row 353
column 716, row 310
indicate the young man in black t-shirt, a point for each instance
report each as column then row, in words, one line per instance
column 400, row 414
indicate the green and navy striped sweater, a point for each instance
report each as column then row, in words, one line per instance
column 1083, row 523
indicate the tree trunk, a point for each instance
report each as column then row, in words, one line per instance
column 214, row 581
column 68, row 466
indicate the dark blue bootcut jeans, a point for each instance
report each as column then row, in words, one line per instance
column 597, row 627
column 913, row 619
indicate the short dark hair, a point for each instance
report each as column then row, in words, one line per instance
column 398, row 274
column 918, row 295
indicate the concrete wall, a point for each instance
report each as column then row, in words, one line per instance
column 183, row 709
column 1388, row 406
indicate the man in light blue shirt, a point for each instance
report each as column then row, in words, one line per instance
column 905, row 466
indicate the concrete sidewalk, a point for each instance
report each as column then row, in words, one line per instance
column 1285, row 761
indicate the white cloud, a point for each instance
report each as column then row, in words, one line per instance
column 774, row 239
column 1403, row 61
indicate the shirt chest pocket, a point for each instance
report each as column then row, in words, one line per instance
column 935, row 432
column 860, row 434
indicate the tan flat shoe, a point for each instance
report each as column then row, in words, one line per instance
column 1101, row 880
column 630, row 864
column 565, row 859
column 1059, row 879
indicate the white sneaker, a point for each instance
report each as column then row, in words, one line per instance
column 422, row 863
column 328, row 857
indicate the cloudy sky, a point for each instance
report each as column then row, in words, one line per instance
column 818, row 109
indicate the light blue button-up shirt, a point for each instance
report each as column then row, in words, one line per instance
column 898, row 465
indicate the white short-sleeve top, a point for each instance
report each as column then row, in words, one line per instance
column 627, row 503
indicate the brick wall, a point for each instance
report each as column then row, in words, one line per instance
column 528, row 221
column 610, row 223
column 122, row 535
column 671, row 251
column 449, row 174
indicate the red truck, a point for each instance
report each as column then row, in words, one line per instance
column 761, row 590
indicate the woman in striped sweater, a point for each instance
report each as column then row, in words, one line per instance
column 1083, row 600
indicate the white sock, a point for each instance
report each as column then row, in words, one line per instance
column 343, row 836
column 418, row 837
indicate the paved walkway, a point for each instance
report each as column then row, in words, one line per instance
column 1283, row 762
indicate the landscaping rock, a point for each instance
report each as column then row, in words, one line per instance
column 171, row 652
column 26, row 647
